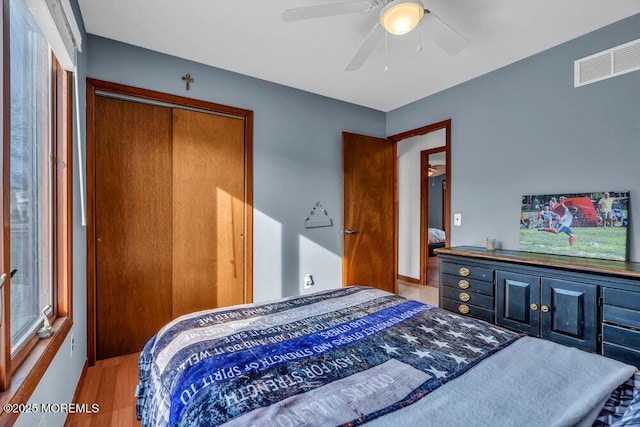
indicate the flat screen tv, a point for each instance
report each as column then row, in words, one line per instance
column 591, row 225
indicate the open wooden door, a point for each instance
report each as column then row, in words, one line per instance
column 369, row 193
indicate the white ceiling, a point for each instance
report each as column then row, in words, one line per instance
column 249, row 37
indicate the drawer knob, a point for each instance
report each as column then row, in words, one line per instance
column 464, row 296
column 464, row 271
column 463, row 284
column 544, row 309
column 533, row 307
column 463, row 308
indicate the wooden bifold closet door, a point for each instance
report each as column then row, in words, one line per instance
column 169, row 203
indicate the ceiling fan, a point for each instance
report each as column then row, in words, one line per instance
column 397, row 17
column 436, row 170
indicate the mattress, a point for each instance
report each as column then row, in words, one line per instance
column 359, row 355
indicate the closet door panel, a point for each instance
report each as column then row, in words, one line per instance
column 133, row 223
column 208, row 210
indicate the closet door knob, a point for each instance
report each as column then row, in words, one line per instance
column 349, row 231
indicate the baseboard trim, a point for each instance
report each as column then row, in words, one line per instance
column 409, row 279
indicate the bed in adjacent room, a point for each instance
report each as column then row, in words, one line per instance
column 435, row 239
column 360, row 355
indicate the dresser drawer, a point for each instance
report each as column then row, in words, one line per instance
column 621, row 336
column 621, row 316
column 462, row 296
column 467, row 285
column 620, row 298
column 623, row 354
column 467, row 271
column 467, row 309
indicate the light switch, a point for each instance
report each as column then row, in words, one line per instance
column 457, row 219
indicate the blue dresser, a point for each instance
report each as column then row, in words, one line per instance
column 590, row 304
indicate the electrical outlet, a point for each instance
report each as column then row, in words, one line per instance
column 457, row 219
column 308, row 281
column 73, row 344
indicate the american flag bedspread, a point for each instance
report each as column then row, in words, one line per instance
column 340, row 357
column 354, row 355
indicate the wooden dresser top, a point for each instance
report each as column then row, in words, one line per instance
column 617, row 268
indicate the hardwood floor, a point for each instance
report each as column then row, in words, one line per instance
column 426, row 294
column 111, row 383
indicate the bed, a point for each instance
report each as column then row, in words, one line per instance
column 359, row 355
column 435, row 239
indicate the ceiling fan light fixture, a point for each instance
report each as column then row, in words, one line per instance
column 401, row 16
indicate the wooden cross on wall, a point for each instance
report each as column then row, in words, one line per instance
column 187, row 78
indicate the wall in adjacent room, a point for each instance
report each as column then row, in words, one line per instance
column 297, row 148
column 524, row 129
column 435, row 202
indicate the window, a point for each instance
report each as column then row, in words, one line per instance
column 36, row 163
column 30, row 177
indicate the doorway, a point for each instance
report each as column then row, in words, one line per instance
column 433, row 211
column 423, row 172
column 169, row 214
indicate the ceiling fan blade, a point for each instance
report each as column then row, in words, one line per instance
column 366, row 48
column 443, row 34
column 320, row 11
column 436, row 170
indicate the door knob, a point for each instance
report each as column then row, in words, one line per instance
column 349, row 231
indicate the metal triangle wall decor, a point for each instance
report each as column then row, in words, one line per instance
column 318, row 217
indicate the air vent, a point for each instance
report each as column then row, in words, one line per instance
column 609, row 63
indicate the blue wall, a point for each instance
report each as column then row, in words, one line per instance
column 521, row 129
column 524, row 129
column 297, row 157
